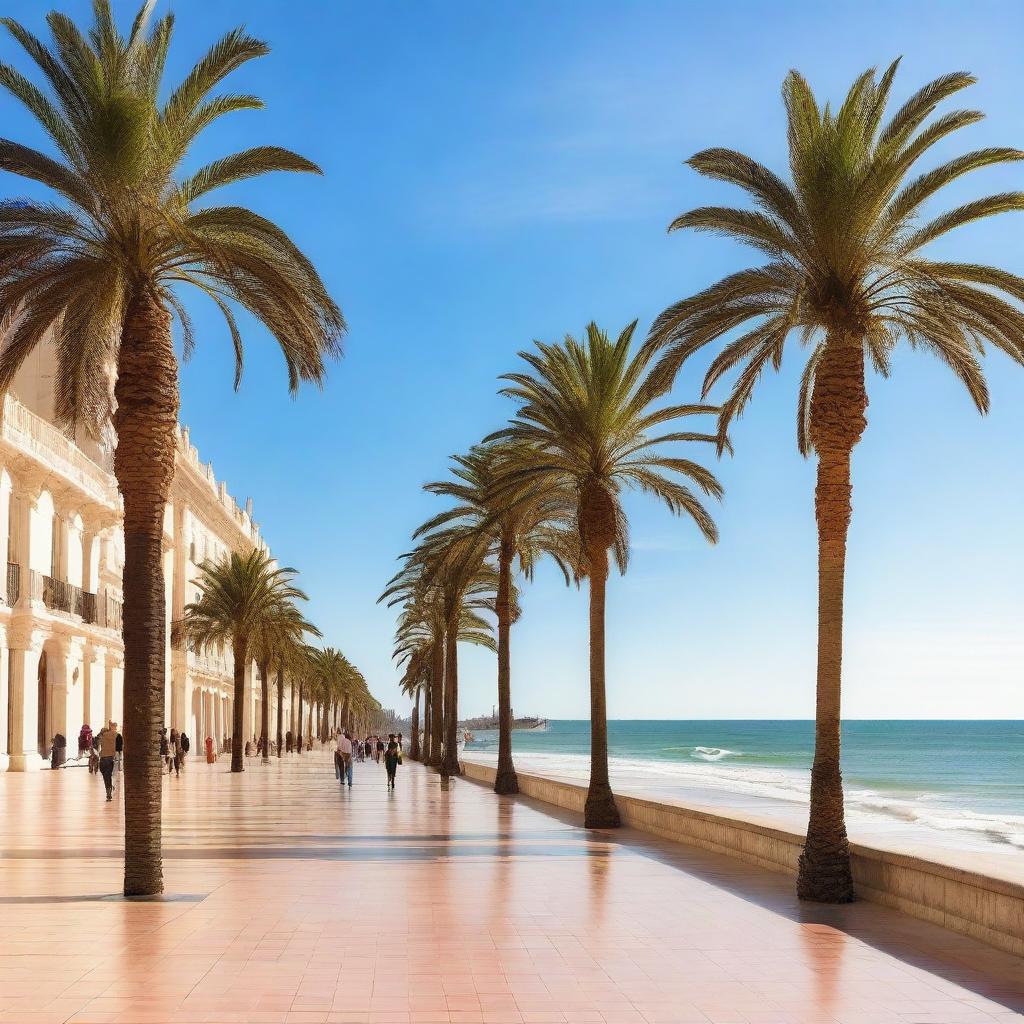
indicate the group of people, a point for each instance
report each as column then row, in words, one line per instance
column 347, row 750
column 173, row 749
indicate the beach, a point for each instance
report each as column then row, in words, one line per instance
column 954, row 791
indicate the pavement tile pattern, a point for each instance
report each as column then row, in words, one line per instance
column 293, row 900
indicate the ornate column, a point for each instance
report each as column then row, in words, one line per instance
column 64, row 660
column 74, row 561
column 95, row 669
column 6, row 486
column 25, row 646
column 114, row 686
column 5, row 686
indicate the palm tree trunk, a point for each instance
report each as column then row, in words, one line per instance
column 427, row 723
column 265, row 710
column 437, row 703
column 450, row 760
column 346, row 712
column 838, row 406
column 600, row 810
column 280, row 708
column 240, row 653
column 146, row 424
column 505, row 781
column 414, row 747
column 291, row 712
column 299, row 735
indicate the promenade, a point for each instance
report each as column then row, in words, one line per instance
column 292, row 900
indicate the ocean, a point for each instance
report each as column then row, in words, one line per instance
column 963, row 780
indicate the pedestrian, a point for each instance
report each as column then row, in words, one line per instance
column 298, row 742
column 368, row 745
column 288, row 742
column 391, row 759
column 343, row 758
column 380, row 749
column 176, row 752
column 401, row 748
column 185, row 747
column 110, row 746
column 165, row 750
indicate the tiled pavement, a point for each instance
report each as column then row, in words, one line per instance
column 291, row 900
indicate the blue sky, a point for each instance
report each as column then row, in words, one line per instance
column 505, row 171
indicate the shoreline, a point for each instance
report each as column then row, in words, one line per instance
column 957, row 849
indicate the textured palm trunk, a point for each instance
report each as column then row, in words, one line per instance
column 347, row 711
column 427, row 723
column 414, row 748
column 505, row 781
column 838, row 406
column 146, row 421
column 265, row 709
column 280, row 709
column 299, row 734
column 291, row 711
column 600, row 810
column 240, row 653
column 450, row 759
column 437, row 703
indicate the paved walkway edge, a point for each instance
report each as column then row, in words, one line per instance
column 984, row 907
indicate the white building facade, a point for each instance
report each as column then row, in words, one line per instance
column 61, row 545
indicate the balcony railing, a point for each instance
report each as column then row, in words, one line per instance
column 13, row 583
column 61, row 596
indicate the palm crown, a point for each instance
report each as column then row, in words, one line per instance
column 127, row 221
column 586, row 419
column 843, row 239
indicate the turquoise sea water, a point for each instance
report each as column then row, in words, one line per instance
column 954, row 776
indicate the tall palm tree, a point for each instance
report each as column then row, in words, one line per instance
column 240, row 596
column 583, row 425
column 452, row 561
column 414, row 648
column 100, row 268
column 522, row 524
column 843, row 237
column 280, row 627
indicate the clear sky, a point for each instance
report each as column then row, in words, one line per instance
column 503, row 171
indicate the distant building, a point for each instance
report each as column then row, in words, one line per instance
column 61, row 653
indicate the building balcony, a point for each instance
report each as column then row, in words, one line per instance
column 61, row 596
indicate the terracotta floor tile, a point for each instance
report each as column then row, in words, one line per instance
column 289, row 902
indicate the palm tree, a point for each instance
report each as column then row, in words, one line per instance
column 414, row 648
column 845, row 271
column 99, row 270
column 241, row 597
column 586, row 410
column 453, row 563
column 522, row 525
column 280, row 627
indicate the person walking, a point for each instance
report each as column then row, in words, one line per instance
column 343, row 758
column 176, row 752
column 185, row 747
column 110, row 744
column 401, row 748
column 391, row 759
column 165, row 750
column 380, row 749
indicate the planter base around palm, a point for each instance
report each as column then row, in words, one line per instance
column 506, row 782
column 600, row 810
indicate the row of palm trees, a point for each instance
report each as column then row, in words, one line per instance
column 248, row 603
column 844, row 275
column 101, row 265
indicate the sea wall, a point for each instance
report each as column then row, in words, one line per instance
column 986, row 908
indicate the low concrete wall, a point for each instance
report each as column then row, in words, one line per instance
column 984, row 907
